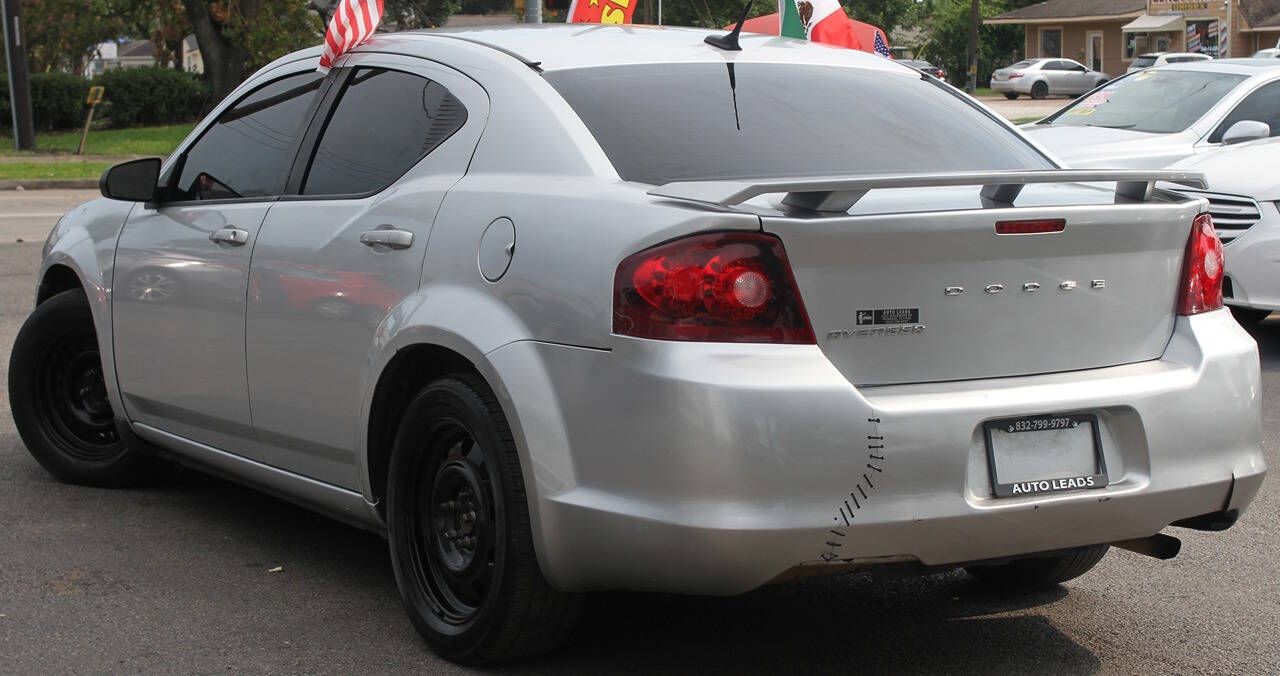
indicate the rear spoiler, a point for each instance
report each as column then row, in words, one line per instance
column 839, row 193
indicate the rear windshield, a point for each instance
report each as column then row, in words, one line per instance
column 691, row 121
column 1144, row 61
column 1020, row 64
column 1157, row 101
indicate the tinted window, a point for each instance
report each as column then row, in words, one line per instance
column 1262, row 105
column 1156, row 101
column 247, row 152
column 1144, row 61
column 670, row 122
column 1021, row 64
column 384, row 123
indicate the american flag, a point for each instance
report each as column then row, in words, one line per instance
column 881, row 48
column 352, row 23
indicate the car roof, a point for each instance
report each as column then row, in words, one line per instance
column 1234, row 66
column 565, row 46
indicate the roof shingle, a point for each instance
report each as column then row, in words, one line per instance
column 1068, row 9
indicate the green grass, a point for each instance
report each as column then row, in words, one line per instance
column 1024, row 120
column 139, row 141
column 983, row 91
column 30, row 170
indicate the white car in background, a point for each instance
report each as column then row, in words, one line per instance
column 1243, row 204
column 1158, row 116
column 1040, row 78
column 1269, row 53
column 1145, row 61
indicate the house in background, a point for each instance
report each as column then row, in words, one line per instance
column 140, row 54
column 1106, row 35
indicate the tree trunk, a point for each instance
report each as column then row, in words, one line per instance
column 224, row 62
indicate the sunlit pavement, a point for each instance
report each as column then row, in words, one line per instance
column 177, row 578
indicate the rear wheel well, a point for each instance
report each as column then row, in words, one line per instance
column 410, row 370
column 57, row 278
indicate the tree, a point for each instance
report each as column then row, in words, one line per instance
column 237, row 36
column 413, row 14
column 947, row 24
column 163, row 22
column 62, row 34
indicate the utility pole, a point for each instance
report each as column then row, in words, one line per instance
column 971, row 84
column 533, row 11
column 24, row 133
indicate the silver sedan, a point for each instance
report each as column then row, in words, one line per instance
column 561, row 309
column 1155, row 117
column 1041, row 78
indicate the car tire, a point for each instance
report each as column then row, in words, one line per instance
column 58, row 395
column 1040, row 90
column 1041, row 571
column 1249, row 316
column 460, row 534
column 1100, row 83
column 1011, row 95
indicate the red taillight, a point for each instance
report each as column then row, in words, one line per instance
column 1030, row 227
column 722, row 287
column 1202, row 271
column 1014, row 76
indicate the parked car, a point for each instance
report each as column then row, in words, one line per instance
column 1158, row 116
column 1041, row 78
column 1269, row 53
column 630, row 339
column 1243, row 202
column 925, row 67
column 1144, row 61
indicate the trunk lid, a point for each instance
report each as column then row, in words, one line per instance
column 875, row 285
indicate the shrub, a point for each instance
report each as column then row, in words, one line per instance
column 149, row 96
column 57, row 101
column 134, row 97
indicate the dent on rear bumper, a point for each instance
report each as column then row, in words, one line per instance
column 715, row 468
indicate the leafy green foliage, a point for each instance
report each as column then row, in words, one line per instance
column 411, row 14
column 57, row 100
column 145, row 96
column 947, row 44
column 62, row 33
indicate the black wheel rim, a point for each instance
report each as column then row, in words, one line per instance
column 455, row 525
column 71, row 395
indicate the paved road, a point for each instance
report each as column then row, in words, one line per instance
column 1023, row 107
column 29, row 215
column 176, row 578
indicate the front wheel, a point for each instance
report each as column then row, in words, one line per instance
column 59, row 398
column 1040, row 90
column 1041, row 571
column 459, row 531
column 1011, row 95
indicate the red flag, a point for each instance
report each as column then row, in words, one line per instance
column 601, row 11
column 848, row 33
column 352, row 23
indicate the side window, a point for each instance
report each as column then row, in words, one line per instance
column 1262, row 105
column 1057, row 65
column 248, row 150
column 384, row 122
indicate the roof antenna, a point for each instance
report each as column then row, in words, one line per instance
column 730, row 42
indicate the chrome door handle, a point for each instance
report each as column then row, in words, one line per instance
column 392, row 239
column 230, row 235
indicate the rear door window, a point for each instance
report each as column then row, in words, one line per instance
column 247, row 152
column 384, row 122
column 702, row 121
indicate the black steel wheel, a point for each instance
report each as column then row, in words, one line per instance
column 1040, row 90
column 459, row 531
column 58, row 394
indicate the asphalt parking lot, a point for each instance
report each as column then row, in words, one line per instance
column 181, row 577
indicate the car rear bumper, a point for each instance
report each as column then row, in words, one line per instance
column 1253, row 263
column 1010, row 86
column 713, row 468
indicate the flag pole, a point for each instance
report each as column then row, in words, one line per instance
column 659, row 12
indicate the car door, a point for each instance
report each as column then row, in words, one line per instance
column 1078, row 78
column 335, row 260
column 182, row 268
column 1055, row 76
column 1261, row 105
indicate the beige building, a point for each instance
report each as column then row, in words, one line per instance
column 1107, row 34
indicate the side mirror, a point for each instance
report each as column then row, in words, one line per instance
column 1246, row 130
column 133, row 181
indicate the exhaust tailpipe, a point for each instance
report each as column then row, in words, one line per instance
column 1159, row 546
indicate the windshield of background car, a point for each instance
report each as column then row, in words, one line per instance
column 1155, row 101
column 1144, row 61
column 704, row 121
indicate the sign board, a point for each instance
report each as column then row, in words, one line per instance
column 95, row 96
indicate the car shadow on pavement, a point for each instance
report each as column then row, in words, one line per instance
column 1267, row 333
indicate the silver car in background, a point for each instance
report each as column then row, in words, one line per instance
column 1155, row 117
column 1245, row 193
column 1041, row 78
column 564, row 309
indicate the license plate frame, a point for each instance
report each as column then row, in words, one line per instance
column 1040, row 423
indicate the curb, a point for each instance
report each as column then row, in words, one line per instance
column 48, row 184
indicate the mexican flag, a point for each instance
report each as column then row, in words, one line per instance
column 820, row 21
